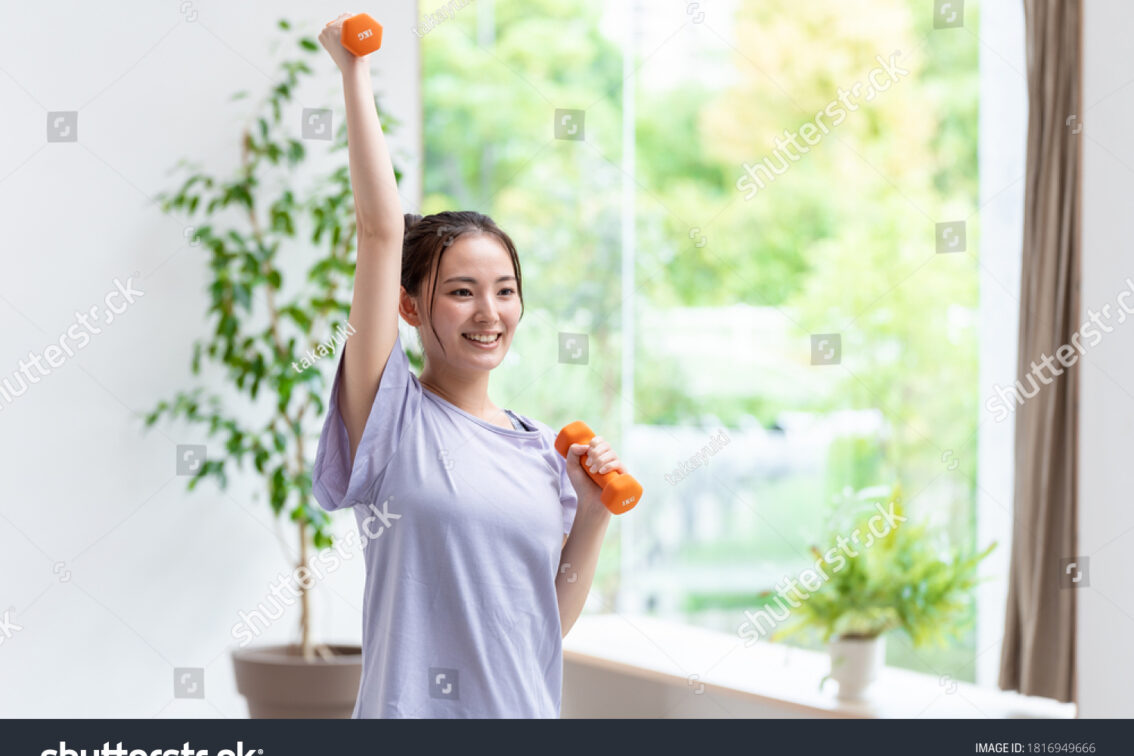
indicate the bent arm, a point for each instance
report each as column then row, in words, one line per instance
column 579, row 560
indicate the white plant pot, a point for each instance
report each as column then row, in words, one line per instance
column 855, row 664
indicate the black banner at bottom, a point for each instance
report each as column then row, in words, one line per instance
column 230, row 737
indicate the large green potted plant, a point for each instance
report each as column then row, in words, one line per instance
column 265, row 327
column 884, row 572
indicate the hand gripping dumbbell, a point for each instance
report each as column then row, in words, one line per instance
column 361, row 34
column 620, row 492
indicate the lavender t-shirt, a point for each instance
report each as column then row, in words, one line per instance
column 462, row 524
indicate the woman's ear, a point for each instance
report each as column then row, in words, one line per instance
column 408, row 309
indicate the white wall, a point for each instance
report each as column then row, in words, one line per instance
column 1106, row 402
column 112, row 571
column 1002, row 148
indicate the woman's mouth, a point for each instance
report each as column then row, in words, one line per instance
column 482, row 341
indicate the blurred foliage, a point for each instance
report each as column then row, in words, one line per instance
column 258, row 225
column 855, row 462
column 896, row 579
column 699, row 602
column 842, row 242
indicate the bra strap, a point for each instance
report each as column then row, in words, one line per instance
column 517, row 423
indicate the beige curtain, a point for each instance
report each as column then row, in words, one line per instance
column 1038, row 656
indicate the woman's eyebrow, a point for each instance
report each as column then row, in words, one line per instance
column 473, row 280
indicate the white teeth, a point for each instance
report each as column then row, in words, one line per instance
column 482, row 339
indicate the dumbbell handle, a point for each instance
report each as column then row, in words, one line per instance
column 620, row 492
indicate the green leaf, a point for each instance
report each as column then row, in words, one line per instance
column 308, row 44
column 243, row 296
column 298, row 316
column 233, row 445
column 227, row 326
column 295, row 151
column 284, row 395
column 240, row 192
column 277, row 489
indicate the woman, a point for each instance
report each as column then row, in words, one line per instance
column 461, row 505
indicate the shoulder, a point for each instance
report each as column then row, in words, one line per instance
column 547, row 434
column 547, row 443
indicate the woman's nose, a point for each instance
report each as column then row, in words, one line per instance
column 486, row 308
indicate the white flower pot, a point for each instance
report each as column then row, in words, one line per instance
column 855, row 664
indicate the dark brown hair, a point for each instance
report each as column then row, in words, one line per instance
column 426, row 239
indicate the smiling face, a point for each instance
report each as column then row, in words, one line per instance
column 476, row 294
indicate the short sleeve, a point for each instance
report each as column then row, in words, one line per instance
column 568, row 500
column 397, row 403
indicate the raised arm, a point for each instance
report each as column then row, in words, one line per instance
column 380, row 228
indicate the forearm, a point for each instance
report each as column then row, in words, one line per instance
column 579, row 560
column 378, row 209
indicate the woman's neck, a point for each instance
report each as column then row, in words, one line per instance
column 471, row 395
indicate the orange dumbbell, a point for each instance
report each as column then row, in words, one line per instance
column 620, row 492
column 361, row 35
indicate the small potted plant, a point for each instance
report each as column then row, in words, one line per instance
column 266, row 331
column 883, row 573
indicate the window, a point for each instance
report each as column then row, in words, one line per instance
column 755, row 269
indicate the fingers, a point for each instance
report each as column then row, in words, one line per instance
column 602, row 461
column 600, row 457
column 603, row 464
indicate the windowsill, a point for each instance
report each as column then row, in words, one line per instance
column 771, row 676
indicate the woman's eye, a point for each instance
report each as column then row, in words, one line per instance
column 467, row 291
